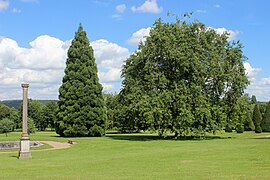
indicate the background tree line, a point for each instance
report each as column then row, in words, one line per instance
column 40, row 116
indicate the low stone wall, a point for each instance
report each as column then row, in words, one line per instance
column 16, row 144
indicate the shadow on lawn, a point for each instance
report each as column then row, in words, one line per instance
column 147, row 137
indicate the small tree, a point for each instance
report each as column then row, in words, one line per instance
column 31, row 126
column 253, row 99
column 257, row 119
column 266, row 119
column 6, row 126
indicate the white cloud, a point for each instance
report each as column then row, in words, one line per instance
column 117, row 16
column 120, row 8
column 42, row 65
column 15, row 10
column 109, row 55
column 139, row 36
column 232, row 34
column 4, row 4
column 258, row 87
column 200, row 11
column 45, row 53
column 217, row 6
column 109, row 58
column 250, row 71
column 149, row 6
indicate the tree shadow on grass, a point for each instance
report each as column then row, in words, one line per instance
column 149, row 137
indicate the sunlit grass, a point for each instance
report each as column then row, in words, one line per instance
column 143, row 156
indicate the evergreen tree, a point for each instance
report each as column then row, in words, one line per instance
column 253, row 99
column 266, row 119
column 81, row 105
column 257, row 119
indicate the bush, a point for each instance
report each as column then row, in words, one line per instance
column 96, row 131
column 258, row 129
column 239, row 128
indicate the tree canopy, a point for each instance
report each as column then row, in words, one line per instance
column 185, row 79
column 81, row 105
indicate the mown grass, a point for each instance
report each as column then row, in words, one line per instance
column 143, row 156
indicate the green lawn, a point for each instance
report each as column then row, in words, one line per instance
column 143, row 156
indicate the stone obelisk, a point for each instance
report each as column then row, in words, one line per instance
column 25, row 141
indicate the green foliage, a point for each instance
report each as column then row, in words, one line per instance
column 31, row 128
column 35, row 112
column 185, row 79
column 257, row 119
column 112, row 106
column 253, row 99
column 4, row 111
column 6, row 126
column 49, row 111
column 81, row 105
column 266, row 119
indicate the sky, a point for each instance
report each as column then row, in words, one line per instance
column 36, row 34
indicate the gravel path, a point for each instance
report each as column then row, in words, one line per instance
column 55, row 145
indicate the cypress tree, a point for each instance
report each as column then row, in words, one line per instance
column 257, row 119
column 266, row 119
column 81, row 104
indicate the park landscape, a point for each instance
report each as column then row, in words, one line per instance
column 182, row 113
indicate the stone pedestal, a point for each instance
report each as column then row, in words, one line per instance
column 25, row 148
column 24, row 152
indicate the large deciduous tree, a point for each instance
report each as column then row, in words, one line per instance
column 186, row 79
column 81, row 105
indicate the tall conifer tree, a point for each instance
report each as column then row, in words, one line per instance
column 266, row 119
column 81, row 104
column 257, row 119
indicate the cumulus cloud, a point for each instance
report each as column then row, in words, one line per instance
column 4, row 4
column 120, row 8
column 149, row 6
column 45, row 53
column 109, row 58
column 260, row 88
column 232, row 34
column 217, row 6
column 250, row 71
column 42, row 65
column 139, row 36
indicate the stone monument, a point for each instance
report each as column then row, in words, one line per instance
column 24, row 152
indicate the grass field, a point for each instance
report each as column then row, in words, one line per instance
column 143, row 156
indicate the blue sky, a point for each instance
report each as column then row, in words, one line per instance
column 35, row 36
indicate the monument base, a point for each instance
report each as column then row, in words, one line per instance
column 25, row 149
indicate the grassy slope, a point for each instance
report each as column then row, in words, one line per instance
column 143, row 157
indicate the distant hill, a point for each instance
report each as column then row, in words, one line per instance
column 17, row 103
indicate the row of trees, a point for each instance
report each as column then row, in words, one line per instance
column 184, row 79
column 39, row 117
